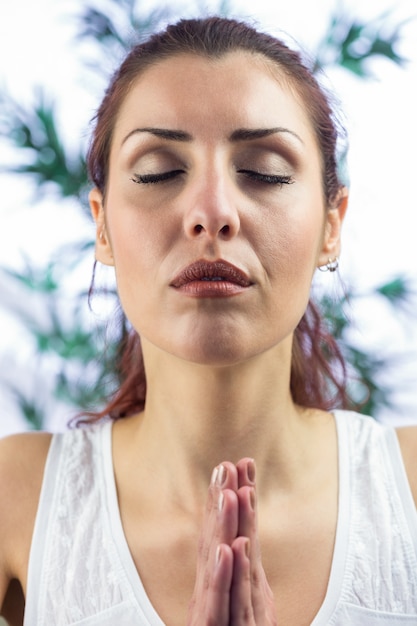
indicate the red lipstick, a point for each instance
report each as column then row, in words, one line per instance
column 211, row 279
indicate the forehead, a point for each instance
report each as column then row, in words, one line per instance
column 211, row 97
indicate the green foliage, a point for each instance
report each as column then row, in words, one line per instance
column 398, row 292
column 33, row 413
column 85, row 356
column 34, row 132
column 116, row 26
column 62, row 330
column 352, row 44
column 34, row 280
column 365, row 369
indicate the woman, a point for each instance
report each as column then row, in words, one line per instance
column 216, row 198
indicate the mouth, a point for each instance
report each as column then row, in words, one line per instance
column 211, row 278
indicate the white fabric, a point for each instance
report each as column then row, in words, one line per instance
column 81, row 572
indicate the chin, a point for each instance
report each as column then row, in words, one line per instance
column 215, row 358
column 218, row 352
column 214, row 355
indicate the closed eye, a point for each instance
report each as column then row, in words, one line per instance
column 269, row 179
column 155, row 178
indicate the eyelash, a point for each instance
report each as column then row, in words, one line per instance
column 269, row 179
column 155, row 178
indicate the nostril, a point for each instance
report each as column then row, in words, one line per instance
column 225, row 230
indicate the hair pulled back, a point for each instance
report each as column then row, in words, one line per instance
column 318, row 371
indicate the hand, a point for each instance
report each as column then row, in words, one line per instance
column 231, row 587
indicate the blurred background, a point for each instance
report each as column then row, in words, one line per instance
column 57, row 356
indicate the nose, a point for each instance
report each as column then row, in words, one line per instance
column 212, row 210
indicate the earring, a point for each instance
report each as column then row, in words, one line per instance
column 331, row 265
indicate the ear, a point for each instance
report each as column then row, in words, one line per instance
column 104, row 252
column 332, row 230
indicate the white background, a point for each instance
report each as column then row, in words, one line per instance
column 37, row 48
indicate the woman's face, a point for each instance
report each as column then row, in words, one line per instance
column 214, row 214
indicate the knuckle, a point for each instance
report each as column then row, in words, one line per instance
column 243, row 615
column 247, row 615
column 256, row 578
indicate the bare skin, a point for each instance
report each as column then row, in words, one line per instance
column 217, row 538
column 297, row 597
column 22, row 461
column 170, row 585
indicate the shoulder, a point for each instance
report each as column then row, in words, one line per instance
column 407, row 437
column 22, row 463
column 366, row 431
column 22, row 457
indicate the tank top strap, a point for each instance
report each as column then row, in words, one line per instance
column 380, row 571
column 40, row 535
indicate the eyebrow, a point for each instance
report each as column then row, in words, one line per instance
column 241, row 134
column 247, row 134
column 164, row 133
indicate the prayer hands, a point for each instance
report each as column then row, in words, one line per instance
column 231, row 587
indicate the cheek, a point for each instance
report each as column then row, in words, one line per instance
column 138, row 240
column 289, row 241
column 141, row 245
column 134, row 262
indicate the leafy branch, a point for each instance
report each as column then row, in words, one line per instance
column 352, row 44
column 35, row 134
column 85, row 356
column 366, row 369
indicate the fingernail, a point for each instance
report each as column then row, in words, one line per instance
column 214, row 475
column 221, row 475
column 250, row 470
column 252, row 498
column 247, row 548
column 218, row 554
column 220, row 501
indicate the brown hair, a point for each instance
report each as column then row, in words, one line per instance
column 318, row 371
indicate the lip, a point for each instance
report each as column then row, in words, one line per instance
column 211, row 278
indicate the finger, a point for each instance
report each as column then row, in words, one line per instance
column 246, row 472
column 207, row 536
column 241, row 609
column 223, row 515
column 262, row 599
column 218, row 597
column 226, row 476
column 261, row 595
column 227, row 523
column 208, row 523
column 220, row 522
column 248, row 526
column 217, row 570
column 213, row 607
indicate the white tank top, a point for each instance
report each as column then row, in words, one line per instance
column 82, row 573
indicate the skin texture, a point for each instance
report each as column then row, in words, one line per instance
column 211, row 208
column 231, row 583
column 274, row 233
column 248, row 545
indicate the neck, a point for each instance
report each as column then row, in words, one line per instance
column 198, row 416
column 223, row 411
